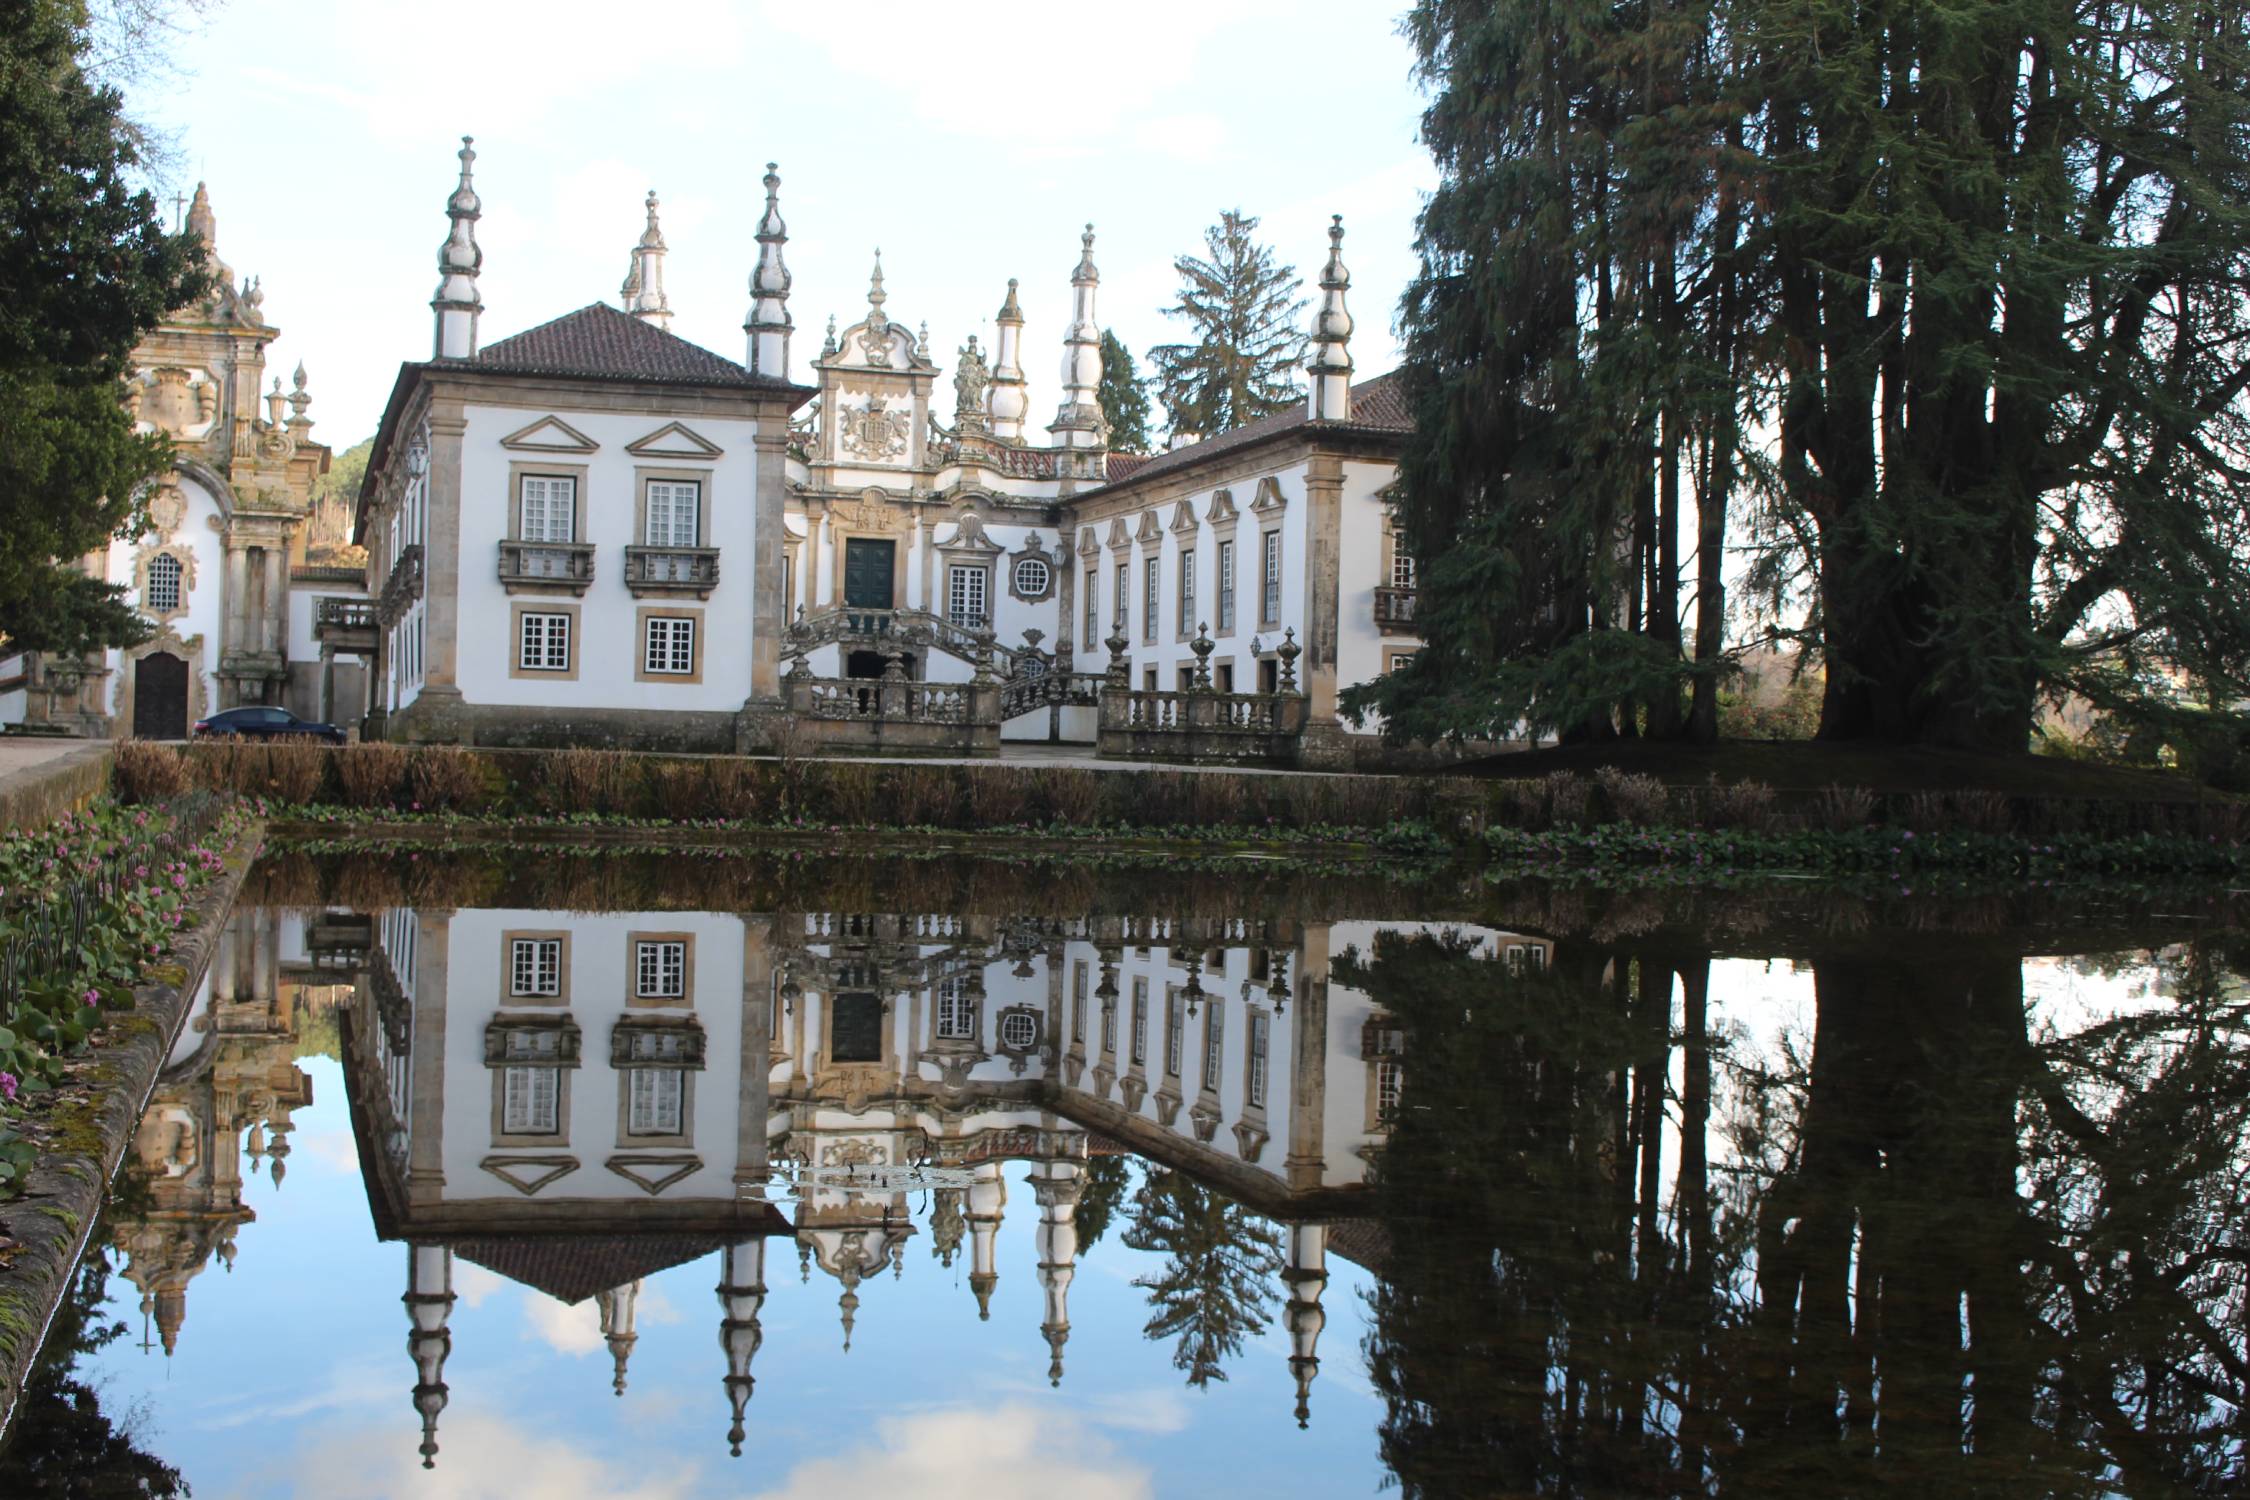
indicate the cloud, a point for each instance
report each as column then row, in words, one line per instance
column 1011, row 1452
column 480, row 1455
column 472, row 1283
column 572, row 1329
column 331, row 1148
column 352, row 1387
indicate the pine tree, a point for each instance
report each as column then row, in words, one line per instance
column 1124, row 397
column 85, row 269
column 1216, row 1285
column 1243, row 309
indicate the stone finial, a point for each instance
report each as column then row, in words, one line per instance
column 1328, row 360
column 768, row 325
column 201, row 222
column 643, row 292
column 1289, row 651
column 1078, row 422
column 1007, row 401
column 460, row 261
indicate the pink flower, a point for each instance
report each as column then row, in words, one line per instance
column 7, row 1085
column 93, row 997
column 179, row 882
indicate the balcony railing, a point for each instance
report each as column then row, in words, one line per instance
column 344, row 622
column 672, row 570
column 547, row 565
column 403, row 585
column 1394, row 608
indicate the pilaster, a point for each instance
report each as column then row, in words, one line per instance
column 1307, row 1163
column 1324, row 522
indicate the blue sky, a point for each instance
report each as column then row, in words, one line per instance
column 969, row 142
column 292, row 1376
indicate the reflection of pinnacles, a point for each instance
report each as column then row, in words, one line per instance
column 839, row 1078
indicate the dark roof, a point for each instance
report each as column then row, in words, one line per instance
column 599, row 342
column 1123, row 465
column 1378, row 406
column 571, row 1268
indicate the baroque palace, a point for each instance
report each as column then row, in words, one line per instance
column 596, row 532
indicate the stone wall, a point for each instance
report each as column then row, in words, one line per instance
column 37, row 788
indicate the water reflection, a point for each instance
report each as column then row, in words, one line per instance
column 1919, row 1204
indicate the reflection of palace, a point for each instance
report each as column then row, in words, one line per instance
column 227, row 1091
column 577, row 1102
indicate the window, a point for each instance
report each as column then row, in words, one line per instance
column 1174, row 1033
column 1140, row 1021
column 1402, row 563
column 1223, row 676
column 1148, row 679
column 535, row 966
column 1395, row 660
column 528, row 1100
column 1019, row 1031
column 1124, row 589
column 1257, row 1086
column 1032, row 577
column 654, row 1106
column 1152, row 588
column 1214, row 1046
column 660, row 970
column 1078, row 1008
column 1226, row 587
column 549, row 509
column 1389, row 1075
column 964, row 596
column 545, row 643
column 956, row 1012
column 164, row 577
column 1093, row 607
column 674, row 513
column 1187, row 592
column 670, row 646
column 1109, row 1026
column 1269, row 605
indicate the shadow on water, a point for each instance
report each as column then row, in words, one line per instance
column 1945, row 1196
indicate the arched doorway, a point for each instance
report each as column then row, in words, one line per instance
column 160, row 697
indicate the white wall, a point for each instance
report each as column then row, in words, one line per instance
column 204, row 585
column 608, row 646
column 1359, row 644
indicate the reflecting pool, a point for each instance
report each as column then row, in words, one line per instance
column 565, row 1175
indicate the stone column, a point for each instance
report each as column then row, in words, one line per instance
column 1324, row 521
column 757, row 1057
column 425, row 1164
column 273, row 603
column 769, row 610
column 1307, row 1163
column 231, row 635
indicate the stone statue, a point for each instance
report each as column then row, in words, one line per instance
column 970, row 379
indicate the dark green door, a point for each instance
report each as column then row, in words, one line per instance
column 867, row 573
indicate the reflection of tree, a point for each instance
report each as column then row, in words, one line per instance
column 1939, row 1252
column 1103, row 1188
column 1217, row 1286
column 61, row 1443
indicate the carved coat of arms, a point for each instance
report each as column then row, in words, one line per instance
column 876, row 433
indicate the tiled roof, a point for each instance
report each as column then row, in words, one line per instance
column 1026, row 463
column 1122, row 464
column 600, row 342
column 1378, row 405
column 571, row 1268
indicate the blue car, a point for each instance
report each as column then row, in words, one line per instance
column 263, row 724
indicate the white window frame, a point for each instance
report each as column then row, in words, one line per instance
column 1093, row 606
column 1140, row 1020
column 1390, row 1081
column 1269, row 595
column 1187, row 590
column 956, row 1011
column 1175, row 1033
column 668, row 647
column 966, row 583
column 535, row 968
column 556, row 517
column 530, row 1100
column 675, row 513
column 1152, row 593
column 176, row 579
column 656, row 1101
column 1124, row 596
column 1226, row 586
column 1256, row 1092
column 659, row 969
column 1019, row 1031
column 544, row 643
column 1046, row 577
column 1214, row 1046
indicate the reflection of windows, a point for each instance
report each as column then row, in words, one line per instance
column 1214, row 1046
column 1109, row 1024
column 535, row 966
column 530, row 1106
column 1259, row 1026
column 1019, row 1031
column 1078, row 1005
column 1389, row 1074
column 1140, row 1021
column 1174, row 1033
column 654, row 1105
column 660, row 970
column 164, row 578
column 956, row 1012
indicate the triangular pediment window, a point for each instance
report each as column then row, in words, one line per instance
column 674, row 440
column 549, row 435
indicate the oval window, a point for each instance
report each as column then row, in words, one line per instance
column 1019, row 1031
column 1032, row 577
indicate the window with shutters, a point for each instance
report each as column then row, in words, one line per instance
column 674, row 513
column 1226, row 587
column 965, row 602
column 548, row 509
column 544, row 644
column 660, row 969
column 535, row 968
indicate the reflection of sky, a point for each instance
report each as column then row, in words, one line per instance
column 292, row 1376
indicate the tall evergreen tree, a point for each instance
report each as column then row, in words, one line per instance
column 1959, row 306
column 1217, row 1283
column 1123, row 396
column 85, row 269
column 1243, row 310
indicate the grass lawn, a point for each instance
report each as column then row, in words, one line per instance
column 1807, row 766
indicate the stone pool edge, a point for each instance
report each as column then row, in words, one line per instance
column 95, row 1115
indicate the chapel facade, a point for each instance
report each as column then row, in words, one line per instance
column 236, row 541
column 597, row 532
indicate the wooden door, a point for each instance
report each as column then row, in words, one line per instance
column 855, row 1030
column 867, row 573
column 160, row 683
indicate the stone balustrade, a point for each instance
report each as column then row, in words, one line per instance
column 1198, row 723
column 672, row 570
column 547, row 565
